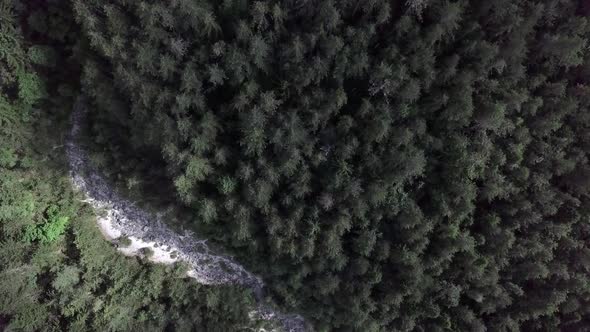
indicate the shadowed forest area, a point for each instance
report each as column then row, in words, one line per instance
column 57, row 273
column 409, row 165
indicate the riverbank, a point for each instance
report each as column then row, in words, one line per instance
column 147, row 235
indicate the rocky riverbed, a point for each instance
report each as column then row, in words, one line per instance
column 119, row 218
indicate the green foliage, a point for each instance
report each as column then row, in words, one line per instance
column 57, row 273
column 11, row 52
column 66, row 279
column 124, row 241
column 30, row 88
column 42, row 55
column 227, row 185
column 50, row 230
column 146, row 252
column 387, row 166
column 8, row 158
column 207, row 210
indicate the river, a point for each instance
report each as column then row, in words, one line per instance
column 118, row 217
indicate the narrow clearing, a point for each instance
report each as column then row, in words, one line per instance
column 145, row 230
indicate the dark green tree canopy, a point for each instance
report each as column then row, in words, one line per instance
column 387, row 165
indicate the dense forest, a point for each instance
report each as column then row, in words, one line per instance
column 57, row 273
column 402, row 165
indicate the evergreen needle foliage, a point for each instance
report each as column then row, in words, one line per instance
column 402, row 165
column 57, row 273
column 386, row 165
